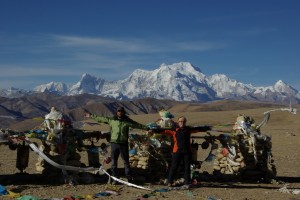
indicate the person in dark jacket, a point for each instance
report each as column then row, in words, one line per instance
column 182, row 148
column 119, row 125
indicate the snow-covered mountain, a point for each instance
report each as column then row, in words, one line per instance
column 13, row 92
column 53, row 87
column 179, row 81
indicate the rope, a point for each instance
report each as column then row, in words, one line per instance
column 63, row 167
column 72, row 168
column 123, row 182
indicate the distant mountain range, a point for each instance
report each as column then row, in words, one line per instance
column 29, row 107
column 27, row 112
column 179, row 81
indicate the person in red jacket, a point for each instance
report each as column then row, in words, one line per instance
column 182, row 148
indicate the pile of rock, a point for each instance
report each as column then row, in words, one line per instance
column 226, row 163
column 150, row 157
column 245, row 153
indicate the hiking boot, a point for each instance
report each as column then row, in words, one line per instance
column 130, row 179
column 114, row 182
column 185, row 187
column 171, row 184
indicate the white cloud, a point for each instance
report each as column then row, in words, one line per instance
column 199, row 46
column 130, row 45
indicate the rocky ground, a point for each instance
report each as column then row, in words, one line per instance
column 283, row 127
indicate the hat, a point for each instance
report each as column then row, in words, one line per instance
column 121, row 109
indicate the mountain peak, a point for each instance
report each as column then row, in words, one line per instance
column 87, row 76
column 53, row 87
column 281, row 86
column 181, row 66
column 280, row 82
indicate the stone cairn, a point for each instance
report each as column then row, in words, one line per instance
column 150, row 157
column 60, row 145
column 246, row 153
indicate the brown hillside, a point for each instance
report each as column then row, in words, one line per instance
column 74, row 108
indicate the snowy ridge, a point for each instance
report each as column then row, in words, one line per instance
column 53, row 87
column 13, row 92
column 228, row 88
column 179, row 81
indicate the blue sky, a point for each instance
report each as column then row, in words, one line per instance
column 255, row 41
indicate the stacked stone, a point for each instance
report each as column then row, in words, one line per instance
column 258, row 156
column 149, row 160
column 227, row 163
column 61, row 148
column 140, row 159
column 247, row 154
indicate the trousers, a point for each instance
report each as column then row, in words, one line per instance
column 118, row 149
column 176, row 159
